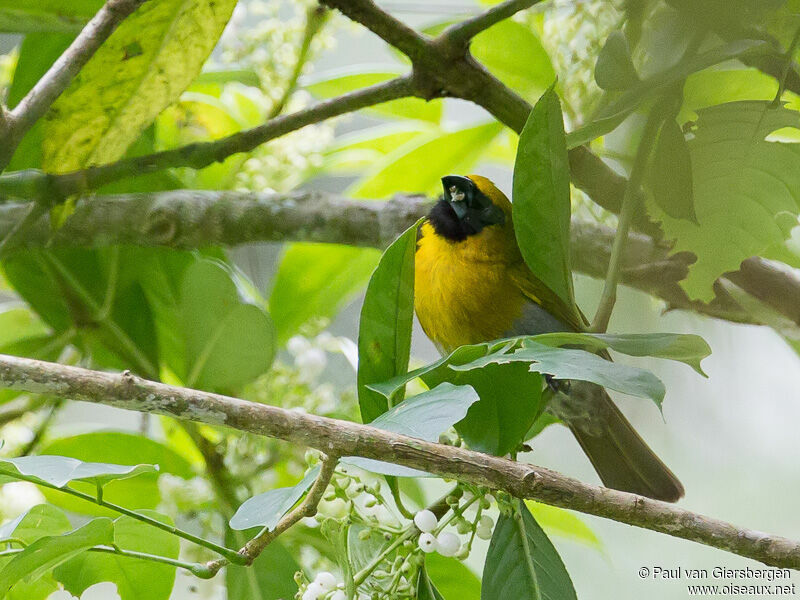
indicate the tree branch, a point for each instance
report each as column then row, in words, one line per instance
column 462, row 33
column 343, row 438
column 36, row 102
column 196, row 219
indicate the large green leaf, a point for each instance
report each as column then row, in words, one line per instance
column 265, row 510
column 541, row 197
column 57, row 16
column 425, row 588
column 419, row 165
column 60, row 470
column 384, row 332
column 522, row 563
column 270, row 577
column 452, row 577
column 746, row 189
column 670, row 173
column 228, row 342
column 120, row 448
column 39, row 521
column 50, row 551
column 335, row 83
column 563, row 523
column 316, row 280
column 135, row 579
column 141, row 69
column 614, row 69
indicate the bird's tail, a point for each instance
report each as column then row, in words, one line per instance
column 620, row 456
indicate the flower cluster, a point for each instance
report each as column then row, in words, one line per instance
column 325, row 586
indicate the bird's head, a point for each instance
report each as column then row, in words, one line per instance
column 469, row 204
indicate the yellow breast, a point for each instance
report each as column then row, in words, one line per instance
column 463, row 293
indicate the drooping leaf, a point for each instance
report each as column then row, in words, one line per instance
column 563, row 523
column 614, row 69
column 141, row 69
column 670, row 173
column 384, row 332
column 522, row 562
column 121, row 448
column 265, row 510
column 566, row 363
column 60, row 470
column 419, row 165
column 50, row 551
column 270, row 577
column 425, row 416
column 135, row 579
column 542, row 198
column 746, row 190
column 316, row 280
column 228, row 342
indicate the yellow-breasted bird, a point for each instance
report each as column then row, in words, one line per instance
column 472, row 286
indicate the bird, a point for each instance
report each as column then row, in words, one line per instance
column 472, row 285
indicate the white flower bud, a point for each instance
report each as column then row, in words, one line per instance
column 486, row 522
column 426, row 542
column 326, row 580
column 297, row 345
column 484, row 533
column 338, row 595
column 425, row 521
column 447, row 544
column 336, row 508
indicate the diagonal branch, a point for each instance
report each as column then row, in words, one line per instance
column 343, row 438
column 35, row 104
column 462, row 33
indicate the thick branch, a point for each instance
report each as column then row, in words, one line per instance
column 197, row 219
column 343, row 438
column 35, row 104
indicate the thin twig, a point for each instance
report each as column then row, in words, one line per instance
column 343, row 438
column 461, row 33
column 39, row 99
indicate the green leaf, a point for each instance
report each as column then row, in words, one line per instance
column 541, row 197
column 733, row 16
column 337, row 82
column 520, row 61
column 228, row 342
column 135, row 579
column 40, row 521
column 56, row 16
column 270, row 577
column 564, row 363
column 686, row 348
column 121, row 448
column 560, row 522
column 452, row 577
column 522, row 562
column 18, row 323
column 384, row 331
column 509, row 394
column 221, row 77
column 746, row 190
column 425, row 416
column 265, row 510
column 60, row 470
column 50, row 551
column 669, row 175
column 425, row 588
column 316, row 280
column 614, row 69
column 141, row 69
column 419, row 165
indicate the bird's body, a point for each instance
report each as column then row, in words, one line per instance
column 472, row 285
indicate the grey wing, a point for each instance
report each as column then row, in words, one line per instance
column 535, row 320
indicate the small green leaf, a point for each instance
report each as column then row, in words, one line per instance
column 50, row 551
column 425, row 588
column 46, row 16
column 686, row 348
column 135, row 579
column 614, row 70
column 60, row 470
column 452, row 577
column 384, row 332
column 564, row 363
column 425, row 416
column 563, row 523
column 522, row 563
column 228, row 342
column 265, row 510
column 541, row 197
column 670, row 173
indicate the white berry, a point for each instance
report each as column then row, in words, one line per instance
column 447, row 544
column 425, row 521
column 326, row 580
column 486, row 522
column 483, row 532
column 426, row 542
column 338, row 595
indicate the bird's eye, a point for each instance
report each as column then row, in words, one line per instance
column 456, row 195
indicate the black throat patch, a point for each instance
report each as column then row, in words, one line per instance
column 447, row 224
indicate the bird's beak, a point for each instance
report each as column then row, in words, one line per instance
column 458, row 190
